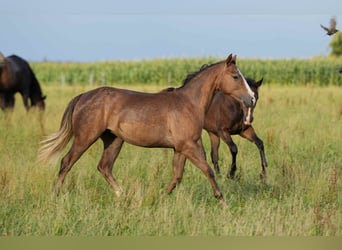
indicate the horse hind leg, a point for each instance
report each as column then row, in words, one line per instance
column 215, row 144
column 178, row 170
column 79, row 146
column 112, row 146
column 67, row 163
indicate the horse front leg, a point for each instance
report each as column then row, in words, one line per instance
column 196, row 155
column 26, row 102
column 7, row 101
column 2, row 101
column 260, row 144
column 250, row 135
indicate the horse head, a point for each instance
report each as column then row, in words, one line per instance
column 234, row 83
column 39, row 102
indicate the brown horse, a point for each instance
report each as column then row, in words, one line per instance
column 166, row 119
column 225, row 117
column 16, row 75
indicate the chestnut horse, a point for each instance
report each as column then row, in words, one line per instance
column 16, row 75
column 225, row 117
column 166, row 119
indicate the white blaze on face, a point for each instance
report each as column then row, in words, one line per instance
column 247, row 121
column 250, row 92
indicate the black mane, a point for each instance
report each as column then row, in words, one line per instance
column 251, row 82
column 192, row 75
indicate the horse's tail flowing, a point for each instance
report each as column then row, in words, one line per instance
column 52, row 145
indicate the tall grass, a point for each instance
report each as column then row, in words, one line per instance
column 301, row 129
column 316, row 71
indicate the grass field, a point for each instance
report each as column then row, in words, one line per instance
column 301, row 129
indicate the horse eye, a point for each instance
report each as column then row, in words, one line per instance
column 235, row 77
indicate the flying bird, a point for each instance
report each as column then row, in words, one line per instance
column 332, row 29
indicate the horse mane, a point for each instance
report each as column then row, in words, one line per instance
column 192, row 75
column 36, row 91
column 251, row 82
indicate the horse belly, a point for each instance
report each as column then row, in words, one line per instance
column 143, row 134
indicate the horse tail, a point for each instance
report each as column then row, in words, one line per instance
column 52, row 145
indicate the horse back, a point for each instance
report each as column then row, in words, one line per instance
column 14, row 71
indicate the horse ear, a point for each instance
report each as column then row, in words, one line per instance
column 229, row 59
column 258, row 83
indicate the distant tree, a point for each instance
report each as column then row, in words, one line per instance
column 336, row 45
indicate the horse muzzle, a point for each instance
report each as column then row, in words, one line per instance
column 249, row 101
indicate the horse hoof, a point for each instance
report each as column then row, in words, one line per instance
column 231, row 176
column 223, row 203
column 118, row 193
column 263, row 177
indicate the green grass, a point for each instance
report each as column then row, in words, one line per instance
column 301, row 129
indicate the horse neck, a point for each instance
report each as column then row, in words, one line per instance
column 201, row 89
column 36, row 94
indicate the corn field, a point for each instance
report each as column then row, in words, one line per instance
column 316, row 71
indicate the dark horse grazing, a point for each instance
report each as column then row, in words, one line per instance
column 16, row 75
column 225, row 117
column 166, row 119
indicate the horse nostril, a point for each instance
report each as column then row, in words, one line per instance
column 251, row 103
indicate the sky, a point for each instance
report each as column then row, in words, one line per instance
column 102, row 30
